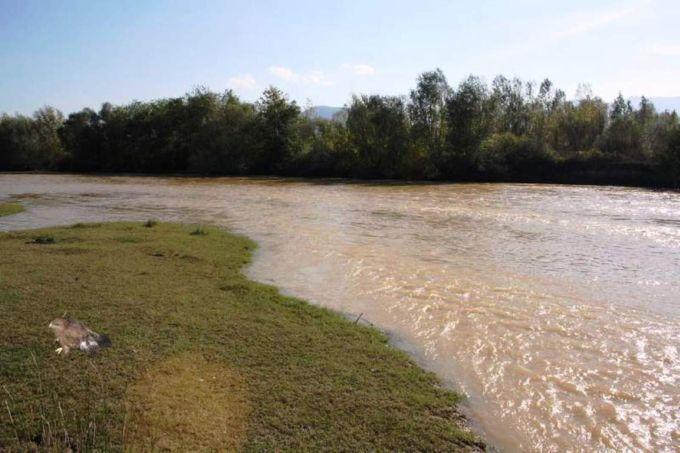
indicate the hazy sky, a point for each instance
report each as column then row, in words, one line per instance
column 72, row 54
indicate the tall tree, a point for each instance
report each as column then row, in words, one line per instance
column 277, row 120
column 427, row 110
column 49, row 151
column 623, row 137
column 510, row 102
column 81, row 135
column 469, row 121
column 379, row 134
column 669, row 158
column 226, row 142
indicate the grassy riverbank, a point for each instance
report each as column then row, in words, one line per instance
column 201, row 356
column 10, row 208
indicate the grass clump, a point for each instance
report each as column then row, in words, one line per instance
column 44, row 239
column 10, row 208
column 203, row 358
column 199, row 231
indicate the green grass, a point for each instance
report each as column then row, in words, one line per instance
column 202, row 358
column 10, row 208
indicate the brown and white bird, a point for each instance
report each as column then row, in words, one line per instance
column 72, row 334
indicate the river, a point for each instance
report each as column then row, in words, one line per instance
column 554, row 309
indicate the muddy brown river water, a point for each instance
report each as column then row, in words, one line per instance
column 555, row 309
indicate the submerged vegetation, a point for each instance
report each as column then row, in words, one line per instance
column 508, row 131
column 202, row 358
column 10, row 209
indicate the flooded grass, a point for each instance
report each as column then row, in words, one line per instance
column 203, row 358
column 10, row 208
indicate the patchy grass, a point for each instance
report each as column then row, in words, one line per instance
column 202, row 358
column 185, row 402
column 10, row 208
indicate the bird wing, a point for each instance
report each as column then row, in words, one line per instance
column 93, row 341
column 101, row 339
column 73, row 334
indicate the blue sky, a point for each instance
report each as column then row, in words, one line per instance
column 72, row 54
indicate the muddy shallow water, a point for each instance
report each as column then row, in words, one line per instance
column 555, row 309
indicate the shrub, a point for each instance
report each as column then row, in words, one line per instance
column 506, row 155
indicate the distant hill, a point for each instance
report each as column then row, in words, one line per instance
column 661, row 103
column 323, row 111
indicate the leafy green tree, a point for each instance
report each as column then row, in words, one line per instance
column 543, row 109
column 379, row 133
column 646, row 118
column 277, row 127
column 669, row 159
column 427, row 110
column 510, row 106
column 327, row 151
column 31, row 143
column 576, row 127
column 659, row 131
column 49, row 153
column 621, row 109
column 622, row 140
column 469, row 122
column 16, row 142
column 511, row 130
column 81, row 135
column 225, row 142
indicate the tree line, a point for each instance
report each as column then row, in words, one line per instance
column 509, row 130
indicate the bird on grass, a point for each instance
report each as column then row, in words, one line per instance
column 72, row 334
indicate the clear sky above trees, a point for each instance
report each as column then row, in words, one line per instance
column 78, row 53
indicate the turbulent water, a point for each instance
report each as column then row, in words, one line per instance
column 555, row 309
